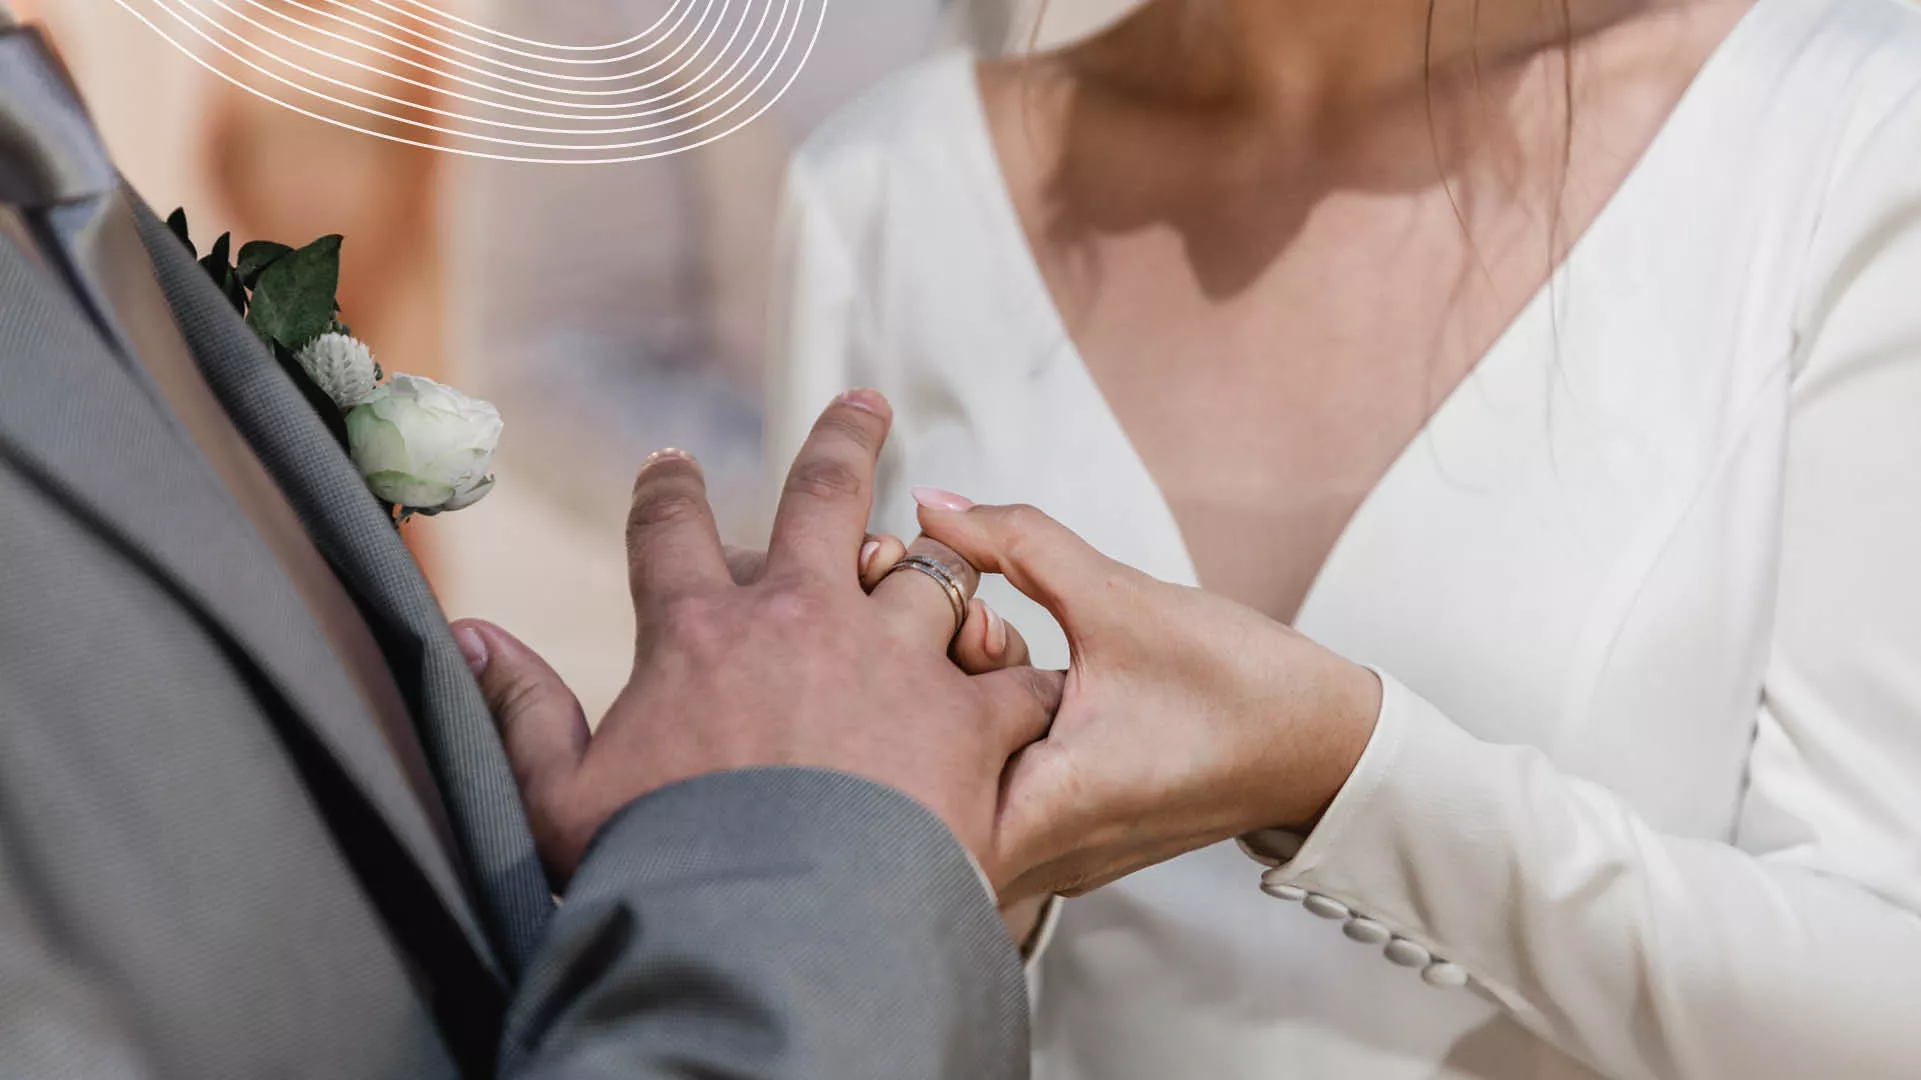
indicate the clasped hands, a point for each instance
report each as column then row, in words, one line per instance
column 1183, row 718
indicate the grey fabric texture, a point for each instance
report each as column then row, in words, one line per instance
column 174, row 901
column 355, row 536
column 857, row 943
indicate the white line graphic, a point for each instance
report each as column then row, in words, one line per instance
column 699, row 72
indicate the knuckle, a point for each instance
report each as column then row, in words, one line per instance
column 522, row 698
column 795, row 605
column 695, row 623
column 1024, row 517
column 845, row 422
column 1027, row 526
column 825, row 478
column 664, row 507
column 1023, row 546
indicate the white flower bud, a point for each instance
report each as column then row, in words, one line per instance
column 341, row 366
column 424, row 446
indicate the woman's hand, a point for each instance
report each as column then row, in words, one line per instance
column 1186, row 719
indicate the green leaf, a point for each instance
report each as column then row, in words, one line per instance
column 236, row 293
column 255, row 257
column 215, row 262
column 177, row 223
column 293, row 299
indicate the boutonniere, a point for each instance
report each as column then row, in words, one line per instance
column 422, row 447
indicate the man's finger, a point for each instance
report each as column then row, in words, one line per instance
column 988, row 642
column 1039, row 556
column 1024, row 702
column 918, row 604
column 830, row 489
column 541, row 723
column 672, row 541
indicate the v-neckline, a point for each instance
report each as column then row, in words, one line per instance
column 1027, row 265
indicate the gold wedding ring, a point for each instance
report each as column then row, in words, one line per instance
column 942, row 576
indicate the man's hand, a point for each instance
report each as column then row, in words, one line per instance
column 798, row 666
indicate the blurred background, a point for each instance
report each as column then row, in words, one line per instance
column 608, row 311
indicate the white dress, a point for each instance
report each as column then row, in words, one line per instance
column 1647, row 782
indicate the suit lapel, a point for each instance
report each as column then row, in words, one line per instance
column 72, row 413
column 368, row 555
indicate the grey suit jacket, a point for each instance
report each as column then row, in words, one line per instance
column 210, row 865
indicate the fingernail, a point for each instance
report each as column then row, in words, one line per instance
column 473, row 647
column 936, row 499
column 996, row 632
column 872, row 401
column 867, row 551
column 671, row 453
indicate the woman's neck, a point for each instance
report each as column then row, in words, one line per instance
column 1328, row 57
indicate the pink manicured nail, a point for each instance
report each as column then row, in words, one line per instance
column 872, row 401
column 936, row 499
column 473, row 647
column 996, row 633
column 867, row 551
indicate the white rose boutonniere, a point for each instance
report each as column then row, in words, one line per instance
column 423, row 448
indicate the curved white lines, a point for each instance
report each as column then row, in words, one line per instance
column 491, row 33
column 411, row 73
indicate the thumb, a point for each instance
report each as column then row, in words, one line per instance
column 541, row 723
column 1038, row 811
column 1042, row 558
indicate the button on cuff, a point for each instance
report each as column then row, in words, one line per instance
column 1407, row 953
column 1366, row 931
column 1326, row 906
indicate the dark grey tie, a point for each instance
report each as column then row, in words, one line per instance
column 70, row 201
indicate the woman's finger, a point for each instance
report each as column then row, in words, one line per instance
column 987, row 642
column 1038, row 555
column 877, row 556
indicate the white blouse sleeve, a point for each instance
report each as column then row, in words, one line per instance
column 820, row 341
column 1793, row 949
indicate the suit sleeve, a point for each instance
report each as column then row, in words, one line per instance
column 1792, row 947
column 773, row 923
